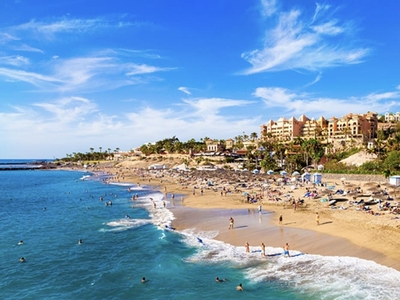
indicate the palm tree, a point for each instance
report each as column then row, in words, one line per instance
column 253, row 136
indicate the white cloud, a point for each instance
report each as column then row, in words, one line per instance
column 184, row 90
column 295, row 43
column 268, row 7
column 144, row 69
column 6, row 37
column 84, row 74
column 49, row 30
column 71, row 109
column 318, row 78
column 30, row 77
column 297, row 104
column 26, row 48
column 14, row 60
column 77, row 124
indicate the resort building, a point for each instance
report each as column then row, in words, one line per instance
column 390, row 117
column 351, row 126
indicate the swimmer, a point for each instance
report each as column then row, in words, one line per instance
column 263, row 249
column 247, row 246
column 286, row 250
column 127, row 217
column 80, row 241
column 219, row 280
column 144, row 280
column 239, row 287
column 22, row 259
column 231, row 222
column 20, row 242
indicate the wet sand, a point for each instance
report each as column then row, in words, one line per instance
column 257, row 228
column 341, row 232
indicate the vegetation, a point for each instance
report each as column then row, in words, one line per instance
column 273, row 154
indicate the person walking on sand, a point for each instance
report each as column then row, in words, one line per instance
column 286, row 250
column 280, row 219
column 247, row 247
column 317, row 218
column 262, row 249
column 231, row 221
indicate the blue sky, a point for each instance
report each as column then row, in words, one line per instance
column 81, row 74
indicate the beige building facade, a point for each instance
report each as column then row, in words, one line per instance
column 350, row 126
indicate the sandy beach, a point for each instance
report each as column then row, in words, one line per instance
column 206, row 201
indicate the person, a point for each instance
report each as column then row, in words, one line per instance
column 317, row 218
column 262, row 249
column 22, row 259
column 280, row 219
column 144, row 280
column 20, row 242
column 219, row 280
column 259, row 208
column 247, row 247
column 80, row 241
column 163, row 203
column 286, row 250
column 154, row 205
column 239, row 287
column 231, row 221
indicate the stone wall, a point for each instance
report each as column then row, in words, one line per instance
column 353, row 177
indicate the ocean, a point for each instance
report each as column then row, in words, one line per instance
column 51, row 210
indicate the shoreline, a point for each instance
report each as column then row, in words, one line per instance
column 340, row 233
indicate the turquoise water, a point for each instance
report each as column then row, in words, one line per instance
column 51, row 210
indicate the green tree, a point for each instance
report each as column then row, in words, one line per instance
column 392, row 161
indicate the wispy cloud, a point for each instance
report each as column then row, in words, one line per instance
column 136, row 69
column 268, row 7
column 6, row 37
column 318, row 78
column 25, row 48
column 82, row 73
column 72, row 109
column 49, row 30
column 298, row 103
column 184, row 90
column 14, row 60
column 298, row 43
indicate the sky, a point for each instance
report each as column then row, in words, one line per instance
column 83, row 74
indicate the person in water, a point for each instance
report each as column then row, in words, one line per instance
column 144, row 280
column 21, row 242
column 80, row 241
column 286, row 250
column 239, row 287
column 231, row 222
column 22, row 259
column 219, row 280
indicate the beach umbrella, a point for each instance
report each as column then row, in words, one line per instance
column 270, row 172
column 283, row 173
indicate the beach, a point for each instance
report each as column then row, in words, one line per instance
column 114, row 225
column 341, row 232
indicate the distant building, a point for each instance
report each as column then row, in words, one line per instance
column 350, row 126
column 229, row 143
column 214, row 146
column 390, row 117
